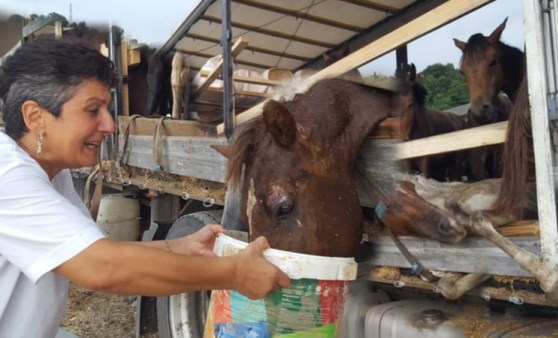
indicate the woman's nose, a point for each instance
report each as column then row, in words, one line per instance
column 107, row 126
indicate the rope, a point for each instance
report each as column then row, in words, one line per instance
column 380, row 211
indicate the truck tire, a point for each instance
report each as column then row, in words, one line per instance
column 184, row 315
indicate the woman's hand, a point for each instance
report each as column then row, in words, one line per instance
column 199, row 243
column 255, row 275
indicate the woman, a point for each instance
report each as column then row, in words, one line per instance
column 55, row 96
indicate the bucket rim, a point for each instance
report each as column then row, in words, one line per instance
column 296, row 265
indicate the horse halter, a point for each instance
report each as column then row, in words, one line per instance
column 380, row 210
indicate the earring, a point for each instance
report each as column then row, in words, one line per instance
column 40, row 141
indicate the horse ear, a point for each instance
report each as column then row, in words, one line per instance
column 280, row 123
column 413, row 73
column 495, row 36
column 460, row 44
column 223, row 149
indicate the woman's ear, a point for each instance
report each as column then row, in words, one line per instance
column 33, row 115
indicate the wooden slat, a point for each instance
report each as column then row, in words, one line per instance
column 523, row 228
column 476, row 255
column 413, row 29
column 237, row 47
column 186, row 156
column 146, row 126
column 463, row 139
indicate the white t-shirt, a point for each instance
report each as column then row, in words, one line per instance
column 43, row 223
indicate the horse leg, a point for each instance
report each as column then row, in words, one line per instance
column 456, row 285
column 548, row 278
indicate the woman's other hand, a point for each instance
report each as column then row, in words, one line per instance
column 199, row 243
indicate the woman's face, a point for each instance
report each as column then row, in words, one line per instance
column 73, row 139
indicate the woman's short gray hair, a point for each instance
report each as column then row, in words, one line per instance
column 47, row 71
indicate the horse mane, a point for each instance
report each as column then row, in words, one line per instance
column 242, row 146
column 420, row 93
column 517, row 155
column 514, row 66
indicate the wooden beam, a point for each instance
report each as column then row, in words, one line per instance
column 458, row 140
column 374, row 6
column 273, row 33
column 250, row 48
column 425, row 23
column 300, row 14
column 236, row 62
column 247, row 79
column 237, row 47
column 35, row 25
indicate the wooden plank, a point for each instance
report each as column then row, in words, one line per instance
column 186, row 156
column 124, row 73
column 523, row 228
column 237, row 47
column 35, row 25
column 154, row 189
column 463, row 139
column 476, row 255
column 146, row 126
column 542, row 142
column 440, row 15
column 246, row 79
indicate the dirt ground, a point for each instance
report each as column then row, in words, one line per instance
column 99, row 315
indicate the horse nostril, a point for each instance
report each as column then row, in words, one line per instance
column 444, row 227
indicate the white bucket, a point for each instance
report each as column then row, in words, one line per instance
column 311, row 307
column 118, row 217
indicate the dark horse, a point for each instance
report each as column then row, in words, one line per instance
column 418, row 121
column 491, row 66
column 290, row 170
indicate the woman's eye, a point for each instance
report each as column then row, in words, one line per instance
column 93, row 111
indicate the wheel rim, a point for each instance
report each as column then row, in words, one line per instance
column 187, row 314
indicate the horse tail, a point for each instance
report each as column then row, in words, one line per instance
column 516, row 157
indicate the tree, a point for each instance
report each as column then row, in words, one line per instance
column 446, row 87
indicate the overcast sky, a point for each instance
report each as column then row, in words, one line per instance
column 153, row 22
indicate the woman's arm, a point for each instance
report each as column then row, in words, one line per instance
column 129, row 268
column 199, row 243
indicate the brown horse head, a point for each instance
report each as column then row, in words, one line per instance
column 412, row 215
column 490, row 66
column 294, row 163
column 481, row 64
column 411, row 100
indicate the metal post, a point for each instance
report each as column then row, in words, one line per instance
column 537, row 63
column 226, row 37
column 114, row 54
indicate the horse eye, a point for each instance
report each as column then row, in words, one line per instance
column 284, row 210
column 493, row 63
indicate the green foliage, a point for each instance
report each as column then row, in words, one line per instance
column 446, row 87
